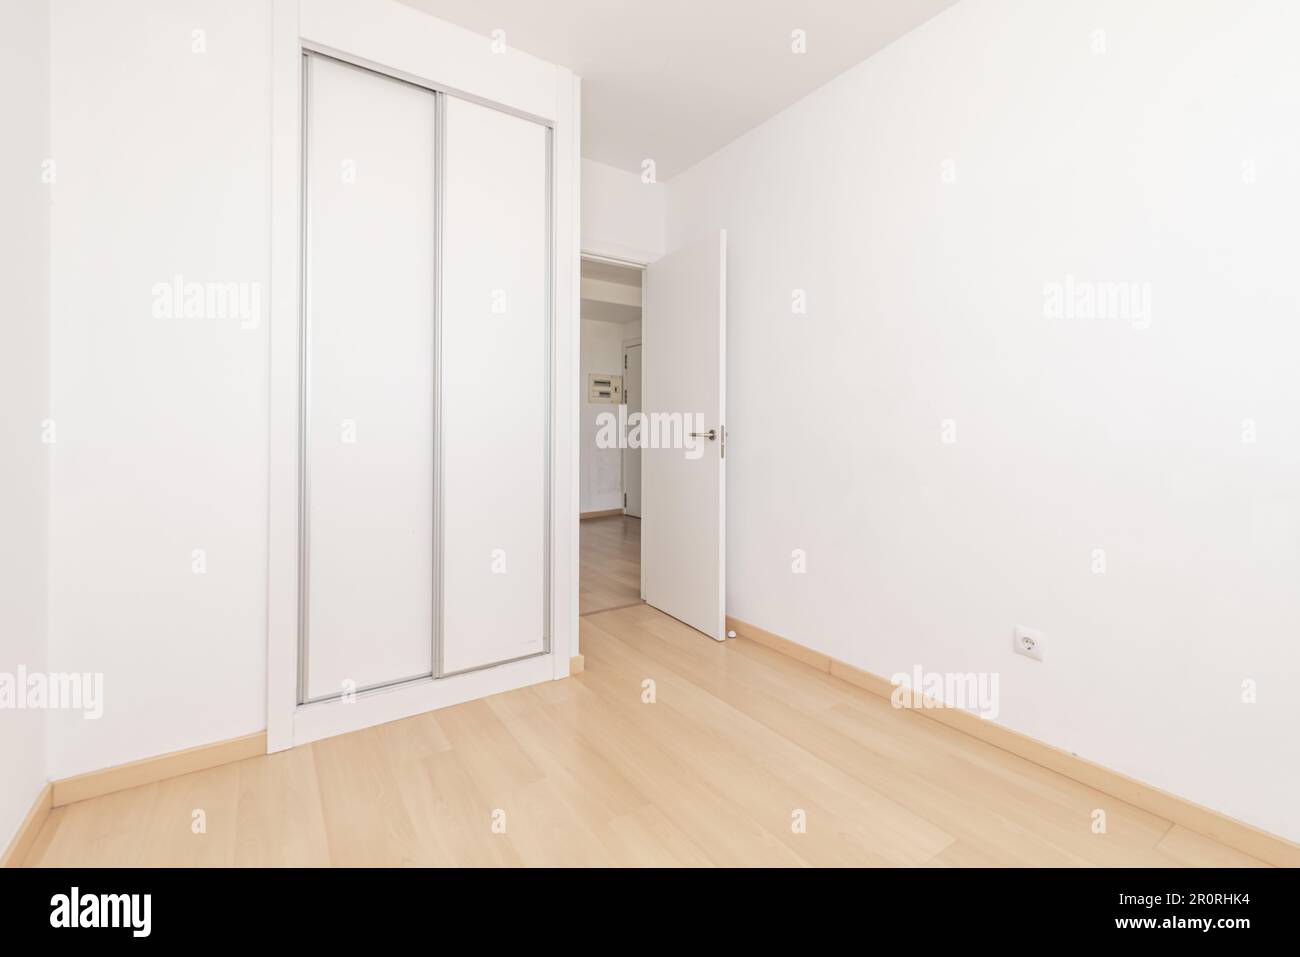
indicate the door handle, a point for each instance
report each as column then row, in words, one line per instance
column 711, row 435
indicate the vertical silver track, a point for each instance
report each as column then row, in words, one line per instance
column 439, row 159
column 304, row 396
column 549, row 398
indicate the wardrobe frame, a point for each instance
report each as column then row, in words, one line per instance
column 403, row 44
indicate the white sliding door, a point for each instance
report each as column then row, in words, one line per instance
column 495, row 394
column 369, row 309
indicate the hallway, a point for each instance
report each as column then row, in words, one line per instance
column 610, row 572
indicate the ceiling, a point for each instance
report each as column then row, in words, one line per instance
column 675, row 80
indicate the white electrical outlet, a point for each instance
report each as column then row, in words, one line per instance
column 1028, row 642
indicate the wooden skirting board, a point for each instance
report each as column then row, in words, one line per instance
column 16, row 852
column 1237, row 834
column 577, row 664
column 603, row 514
column 108, row 780
column 149, row 770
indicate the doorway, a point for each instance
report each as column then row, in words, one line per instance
column 655, row 413
column 609, row 533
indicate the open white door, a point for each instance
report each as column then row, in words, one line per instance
column 683, row 526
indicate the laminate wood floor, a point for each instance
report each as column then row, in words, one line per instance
column 732, row 754
column 609, row 567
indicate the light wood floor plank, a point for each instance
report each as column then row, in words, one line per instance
column 770, row 776
column 366, row 821
column 194, row 820
column 280, row 821
column 451, row 815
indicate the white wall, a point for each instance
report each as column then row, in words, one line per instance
column 622, row 217
column 601, row 473
column 163, row 163
column 926, row 302
column 24, row 392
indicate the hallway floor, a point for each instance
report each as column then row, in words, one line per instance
column 610, row 566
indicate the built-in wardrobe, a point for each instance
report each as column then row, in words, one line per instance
column 424, row 400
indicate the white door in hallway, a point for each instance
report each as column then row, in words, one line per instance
column 683, row 498
column 631, row 456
